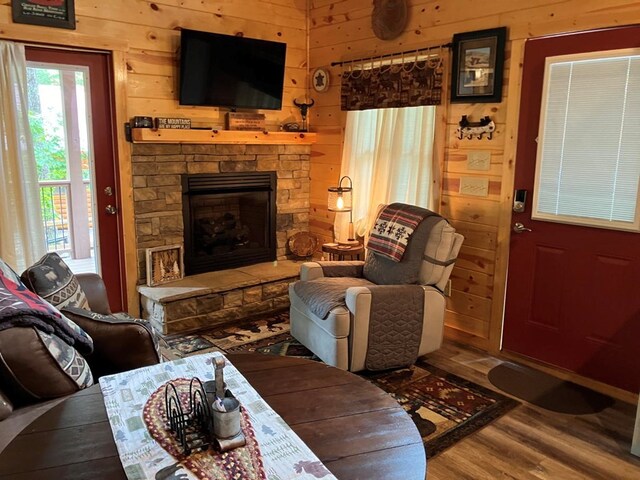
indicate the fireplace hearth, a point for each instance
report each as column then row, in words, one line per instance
column 229, row 220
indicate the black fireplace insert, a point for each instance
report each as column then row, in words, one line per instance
column 229, row 220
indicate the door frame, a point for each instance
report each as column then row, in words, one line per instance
column 117, row 48
column 516, row 61
column 104, row 166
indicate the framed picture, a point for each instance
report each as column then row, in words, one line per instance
column 478, row 61
column 50, row 13
column 164, row 264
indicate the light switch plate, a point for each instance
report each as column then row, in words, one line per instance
column 479, row 160
column 476, row 186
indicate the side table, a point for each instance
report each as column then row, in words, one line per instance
column 343, row 252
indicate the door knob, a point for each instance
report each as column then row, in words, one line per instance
column 111, row 210
column 519, row 228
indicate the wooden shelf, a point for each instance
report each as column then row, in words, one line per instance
column 148, row 135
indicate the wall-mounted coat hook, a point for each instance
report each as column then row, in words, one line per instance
column 478, row 129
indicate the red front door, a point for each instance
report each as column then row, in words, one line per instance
column 78, row 175
column 573, row 292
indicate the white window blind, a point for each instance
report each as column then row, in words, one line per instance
column 588, row 162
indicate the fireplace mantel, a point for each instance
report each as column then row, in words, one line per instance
column 148, row 135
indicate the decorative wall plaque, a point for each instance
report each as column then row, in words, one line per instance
column 177, row 123
column 389, row 18
column 320, row 79
column 245, row 121
column 164, row 264
column 50, row 13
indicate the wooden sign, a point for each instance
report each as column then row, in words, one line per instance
column 177, row 123
column 245, row 121
column 50, row 13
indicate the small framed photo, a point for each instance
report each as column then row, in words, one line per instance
column 49, row 13
column 164, row 264
column 478, row 62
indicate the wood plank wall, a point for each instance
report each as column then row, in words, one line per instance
column 341, row 30
column 147, row 34
column 144, row 36
column 152, row 30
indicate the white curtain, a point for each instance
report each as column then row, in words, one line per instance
column 21, row 230
column 388, row 153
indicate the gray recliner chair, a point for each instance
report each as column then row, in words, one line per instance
column 390, row 312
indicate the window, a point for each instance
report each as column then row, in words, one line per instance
column 588, row 162
column 388, row 154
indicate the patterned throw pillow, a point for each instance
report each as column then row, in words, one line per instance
column 37, row 365
column 52, row 280
column 20, row 307
column 73, row 364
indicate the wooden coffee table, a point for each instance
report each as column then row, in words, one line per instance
column 356, row 429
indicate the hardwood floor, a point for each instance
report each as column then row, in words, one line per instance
column 533, row 443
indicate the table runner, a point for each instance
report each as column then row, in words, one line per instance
column 284, row 455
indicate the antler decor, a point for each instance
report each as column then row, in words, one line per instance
column 304, row 108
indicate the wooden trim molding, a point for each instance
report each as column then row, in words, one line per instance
column 506, row 200
column 148, row 135
column 128, row 250
column 36, row 35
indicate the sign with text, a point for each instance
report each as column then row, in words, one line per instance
column 50, row 13
column 175, row 123
column 245, row 121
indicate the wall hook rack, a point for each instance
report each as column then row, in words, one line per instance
column 478, row 129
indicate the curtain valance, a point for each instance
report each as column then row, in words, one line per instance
column 406, row 84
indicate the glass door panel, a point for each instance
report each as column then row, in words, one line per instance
column 60, row 121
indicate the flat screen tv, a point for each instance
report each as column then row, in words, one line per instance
column 228, row 71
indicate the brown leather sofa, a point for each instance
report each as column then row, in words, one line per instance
column 32, row 380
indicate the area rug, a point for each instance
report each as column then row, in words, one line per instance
column 226, row 339
column 444, row 407
column 547, row 391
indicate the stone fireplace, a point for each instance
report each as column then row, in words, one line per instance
column 158, row 170
column 229, row 219
column 166, row 175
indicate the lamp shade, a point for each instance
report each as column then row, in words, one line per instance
column 340, row 198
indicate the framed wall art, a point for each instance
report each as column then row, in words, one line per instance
column 164, row 264
column 49, row 13
column 478, row 62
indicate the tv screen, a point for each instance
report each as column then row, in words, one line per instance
column 228, row 71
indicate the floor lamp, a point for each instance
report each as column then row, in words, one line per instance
column 340, row 201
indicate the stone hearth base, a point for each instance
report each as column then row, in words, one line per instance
column 216, row 298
